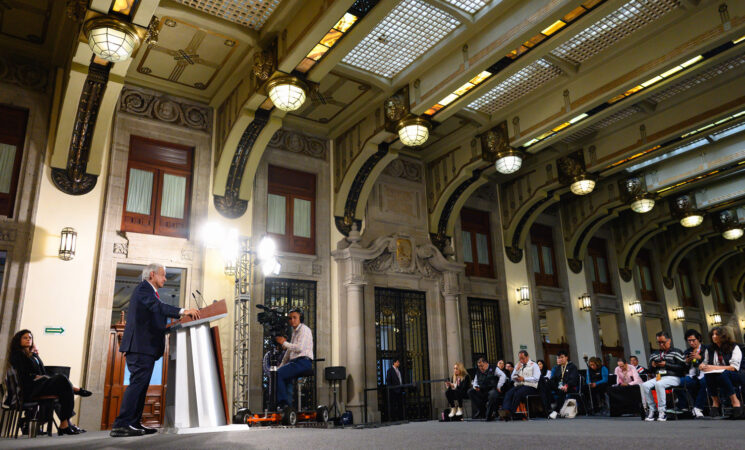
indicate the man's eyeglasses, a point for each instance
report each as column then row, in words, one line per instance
column 692, row 340
column 662, row 342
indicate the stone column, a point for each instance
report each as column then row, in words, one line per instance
column 355, row 340
column 453, row 336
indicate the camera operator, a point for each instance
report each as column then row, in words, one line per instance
column 298, row 355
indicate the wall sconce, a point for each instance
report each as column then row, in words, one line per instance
column 636, row 308
column 716, row 319
column 585, row 302
column 679, row 314
column 67, row 243
column 230, row 268
column 523, row 295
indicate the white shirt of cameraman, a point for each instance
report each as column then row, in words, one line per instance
column 300, row 345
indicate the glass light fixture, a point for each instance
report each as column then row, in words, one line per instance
column 68, row 243
column 585, row 302
column 636, row 308
column 110, row 38
column 523, row 295
column 287, row 92
column 692, row 219
column 267, row 249
column 230, row 268
column 679, row 314
column 582, row 184
column 642, row 204
column 716, row 319
column 413, row 131
column 732, row 234
column 509, row 161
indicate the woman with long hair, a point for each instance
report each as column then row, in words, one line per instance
column 34, row 381
column 597, row 382
column 457, row 389
column 721, row 368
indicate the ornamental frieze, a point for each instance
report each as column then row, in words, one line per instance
column 163, row 108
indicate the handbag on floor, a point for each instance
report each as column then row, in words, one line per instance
column 569, row 409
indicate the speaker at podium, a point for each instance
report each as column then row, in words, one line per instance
column 196, row 398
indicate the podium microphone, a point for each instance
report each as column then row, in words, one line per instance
column 204, row 302
column 195, row 299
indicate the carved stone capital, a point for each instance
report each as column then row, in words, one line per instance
column 625, row 274
column 575, row 265
column 737, row 296
column 230, row 207
column 514, row 254
column 706, row 289
column 668, row 282
column 61, row 178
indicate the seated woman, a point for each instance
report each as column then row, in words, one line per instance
column 544, row 387
column 597, row 380
column 721, row 368
column 625, row 396
column 457, row 389
column 34, row 381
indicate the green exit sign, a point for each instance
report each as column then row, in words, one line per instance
column 54, row 330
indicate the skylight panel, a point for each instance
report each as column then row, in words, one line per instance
column 617, row 25
column 406, row 33
column 514, row 87
column 249, row 13
column 675, row 152
column 470, row 6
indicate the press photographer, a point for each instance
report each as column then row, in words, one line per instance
column 298, row 355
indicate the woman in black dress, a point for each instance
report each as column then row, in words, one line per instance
column 35, row 382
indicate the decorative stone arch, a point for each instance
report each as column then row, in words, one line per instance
column 239, row 160
column 738, row 282
column 627, row 256
column 673, row 259
column 447, row 208
column 710, row 266
column 579, row 241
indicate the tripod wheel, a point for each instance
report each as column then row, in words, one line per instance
column 289, row 416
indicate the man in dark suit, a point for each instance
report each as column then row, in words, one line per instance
column 394, row 378
column 143, row 343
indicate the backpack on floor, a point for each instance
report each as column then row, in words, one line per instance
column 569, row 409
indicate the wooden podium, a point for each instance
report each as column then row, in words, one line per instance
column 196, row 397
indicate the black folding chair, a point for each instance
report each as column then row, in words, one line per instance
column 580, row 394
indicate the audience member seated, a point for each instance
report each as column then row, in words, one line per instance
column 564, row 380
column 721, row 367
column 668, row 366
column 634, row 361
column 525, row 379
column 544, row 389
column 457, row 389
column 625, row 396
column 34, row 381
column 508, row 368
column 597, row 383
column 694, row 381
column 483, row 383
column 500, row 364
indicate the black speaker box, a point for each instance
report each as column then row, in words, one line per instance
column 335, row 373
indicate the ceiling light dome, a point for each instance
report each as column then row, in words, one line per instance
column 413, row 131
column 287, row 92
column 692, row 219
column 732, row 234
column 111, row 39
column 582, row 184
column 642, row 204
column 509, row 161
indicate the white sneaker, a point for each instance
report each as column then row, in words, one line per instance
column 459, row 412
column 452, row 413
column 553, row 415
column 661, row 417
column 650, row 416
column 697, row 413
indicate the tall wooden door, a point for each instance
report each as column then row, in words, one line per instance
column 117, row 380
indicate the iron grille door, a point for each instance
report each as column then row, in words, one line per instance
column 486, row 340
column 401, row 333
column 287, row 294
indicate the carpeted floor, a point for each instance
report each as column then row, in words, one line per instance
column 588, row 433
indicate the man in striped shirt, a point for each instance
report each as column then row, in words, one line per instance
column 298, row 357
column 668, row 364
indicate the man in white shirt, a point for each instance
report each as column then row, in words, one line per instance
column 525, row 377
column 298, row 357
